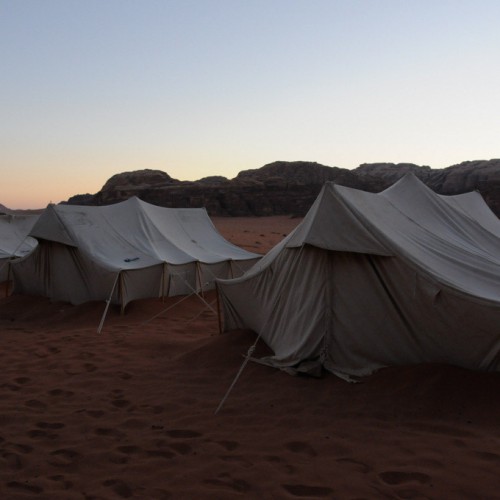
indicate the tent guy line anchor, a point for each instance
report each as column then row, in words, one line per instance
column 250, row 352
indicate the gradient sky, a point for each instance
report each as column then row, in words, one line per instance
column 91, row 88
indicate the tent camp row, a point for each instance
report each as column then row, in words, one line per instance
column 14, row 240
column 365, row 281
column 123, row 252
column 368, row 280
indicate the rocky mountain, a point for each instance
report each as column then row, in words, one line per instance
column 289, row 187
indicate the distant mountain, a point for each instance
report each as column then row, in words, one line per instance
column 9, row 211
column 289, row 187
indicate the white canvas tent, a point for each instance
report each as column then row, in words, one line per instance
column 369, row 280
column 126, row 251
column 14, row 240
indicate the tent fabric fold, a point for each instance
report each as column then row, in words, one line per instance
column 369, row 280
column 156, row 251
column 14, row 240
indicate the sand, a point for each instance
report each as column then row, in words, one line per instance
column 129, row 413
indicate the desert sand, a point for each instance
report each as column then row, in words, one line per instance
column 129, row 412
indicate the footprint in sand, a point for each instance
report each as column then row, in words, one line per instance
column 237, row 459
column 49, row 425
column 37, row 405
column 488, row 456
column 227, row 481
column 181, row 448
column 118, row 458
column 289, row 469
column 129, row 449
column 65, row 483
column 22, row 380
column 300, row 447
column 303, row 490
column 167, row 455
column 359, row 466
column 121, row 488
column 106, row 431
column 86, row 355
column 182, row 433
column 11, row 387
column 95, row 413
column 61, row 392
column 120, row 403
column 12, row 460
column 228, row 445
column 40, row 434
column 22, row 448
column 394, row 477
column 63, row 457
column 26, row 487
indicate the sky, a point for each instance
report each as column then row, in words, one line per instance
column 195, row 88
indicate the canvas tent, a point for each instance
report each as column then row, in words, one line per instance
column 369, row 280
column 14, row 240
column 126, row 251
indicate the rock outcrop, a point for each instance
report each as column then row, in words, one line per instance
column 289, row 187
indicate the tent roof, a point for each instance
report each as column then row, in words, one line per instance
column 453, row 239
column 134, row 234
column 14, row 240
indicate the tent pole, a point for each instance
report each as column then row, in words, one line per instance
column 8, row 279
column 199, row 276
column 120, row 294
column 163, row 281
column 101, row 324
column 219, row 319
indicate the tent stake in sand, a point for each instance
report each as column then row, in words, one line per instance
column 240, row 371
column 101, row 324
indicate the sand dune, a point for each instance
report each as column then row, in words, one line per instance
column 129, row 413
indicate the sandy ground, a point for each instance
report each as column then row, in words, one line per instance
column 129, row 413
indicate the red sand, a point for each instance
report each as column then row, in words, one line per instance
column 129, row 413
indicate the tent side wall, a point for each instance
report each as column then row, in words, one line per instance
column 285, row 304
column 4, row 269
column 386, row 313
column 61, row 272
column 360, row 312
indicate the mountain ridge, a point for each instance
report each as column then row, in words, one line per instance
column 283, row 187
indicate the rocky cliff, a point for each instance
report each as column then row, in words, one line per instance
column 289, row 187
